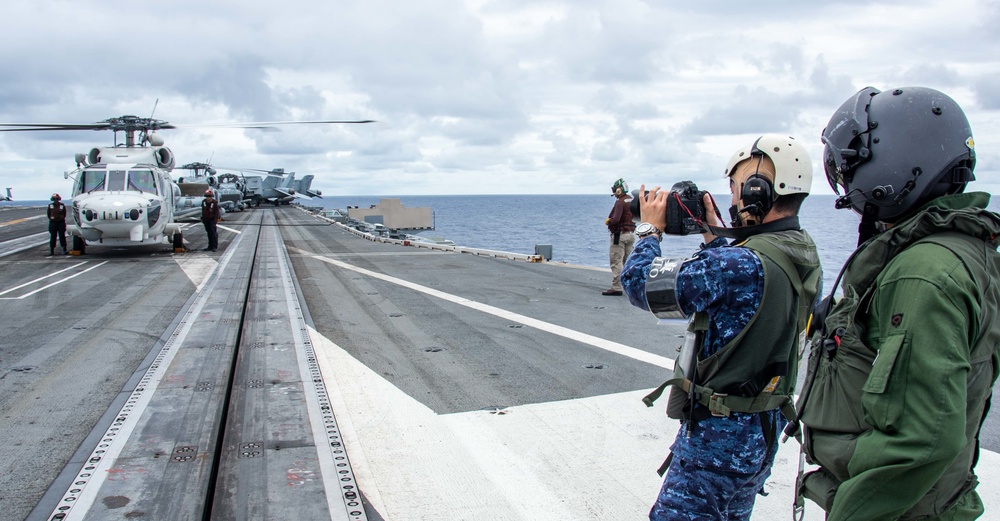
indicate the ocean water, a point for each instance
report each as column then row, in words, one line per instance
column 574, row 225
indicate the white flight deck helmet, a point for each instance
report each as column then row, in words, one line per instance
column 792, row 175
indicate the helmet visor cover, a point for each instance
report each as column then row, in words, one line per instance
column 895, row 150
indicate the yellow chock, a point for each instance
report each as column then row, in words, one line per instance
column 75, row 252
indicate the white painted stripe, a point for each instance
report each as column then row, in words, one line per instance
column 30, row 282
column 23, row 243
column 228, row 229
column 587, row 459
column 60, row 281
column 600, row 343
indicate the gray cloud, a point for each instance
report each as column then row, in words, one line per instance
column 480, row 97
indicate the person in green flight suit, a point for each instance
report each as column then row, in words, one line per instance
column 903, row 363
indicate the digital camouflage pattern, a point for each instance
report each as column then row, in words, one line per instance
column 692, row 492
column 728, row 283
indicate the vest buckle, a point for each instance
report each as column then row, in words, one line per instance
column 716, row 407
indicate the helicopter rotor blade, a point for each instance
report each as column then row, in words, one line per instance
column 259, row 170
column 122, row 123
column 252, row 124
column 264, row 125
column 133, row 123
column 30, row 127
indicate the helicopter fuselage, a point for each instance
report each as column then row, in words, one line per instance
column 125, row 198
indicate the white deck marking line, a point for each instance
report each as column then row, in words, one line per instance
column 23, row 243
column 30, row 282
column 228, row 229
column 600, row 343
column 60, row 281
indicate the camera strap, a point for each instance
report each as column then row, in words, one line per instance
column 743, row 232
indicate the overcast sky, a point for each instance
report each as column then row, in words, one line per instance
column 479, row 96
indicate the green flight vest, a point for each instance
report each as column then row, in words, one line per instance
column 842, row 367
column 756, row 371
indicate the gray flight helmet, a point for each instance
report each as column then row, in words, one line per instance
column 892, row 151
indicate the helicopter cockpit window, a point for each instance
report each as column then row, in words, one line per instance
column 92, row 180
column 141, row 181
column 116, row 180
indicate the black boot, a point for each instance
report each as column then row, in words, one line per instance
column 52, row 252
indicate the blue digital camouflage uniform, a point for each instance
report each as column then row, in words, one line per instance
column 718, row 469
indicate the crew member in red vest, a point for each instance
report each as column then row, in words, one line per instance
column 210, row 215
column 57, row 225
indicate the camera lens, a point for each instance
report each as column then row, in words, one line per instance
column 633, row 205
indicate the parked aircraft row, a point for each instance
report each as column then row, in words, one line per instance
column 123, row 195
column 235, row 190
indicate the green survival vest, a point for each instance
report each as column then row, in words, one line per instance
column 842, row 369
column 756, row 370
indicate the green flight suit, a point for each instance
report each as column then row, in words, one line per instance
column 924, row 345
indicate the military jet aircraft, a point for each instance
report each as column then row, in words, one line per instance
column 275, row 186
column 303, row 186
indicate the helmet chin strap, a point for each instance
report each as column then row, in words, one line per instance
column 868, row 228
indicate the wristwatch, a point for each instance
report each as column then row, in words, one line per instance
column 646, row 229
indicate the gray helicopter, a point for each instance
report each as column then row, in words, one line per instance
column 192, row 190
column 229, row 189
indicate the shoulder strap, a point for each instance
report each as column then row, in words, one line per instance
column 781, row 259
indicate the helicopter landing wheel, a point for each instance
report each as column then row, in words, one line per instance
column 79, row 246
column 178, row 241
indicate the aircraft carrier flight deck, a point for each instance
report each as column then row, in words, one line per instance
column 306, row 371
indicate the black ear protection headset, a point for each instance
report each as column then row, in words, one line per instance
column 757, row 194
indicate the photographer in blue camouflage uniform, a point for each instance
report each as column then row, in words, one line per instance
column 747, row 306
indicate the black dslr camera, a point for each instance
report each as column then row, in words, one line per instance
column 685, row 208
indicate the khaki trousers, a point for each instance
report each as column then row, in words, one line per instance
column 618, row 253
